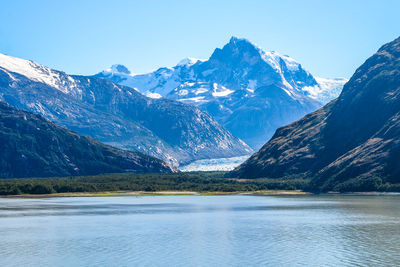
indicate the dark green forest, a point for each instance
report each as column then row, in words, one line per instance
column 199, row 182
column 194, row 181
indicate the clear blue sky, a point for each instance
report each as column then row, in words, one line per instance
column 329, row 38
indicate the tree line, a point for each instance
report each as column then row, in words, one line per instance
column 199, row 182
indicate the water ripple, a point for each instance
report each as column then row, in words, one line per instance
column 201, row 231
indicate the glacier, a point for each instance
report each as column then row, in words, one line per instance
column 218, row 164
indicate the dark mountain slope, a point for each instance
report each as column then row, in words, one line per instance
column 32, row 146
column 356, row 136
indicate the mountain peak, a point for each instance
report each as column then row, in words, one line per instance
column 237, row 77
column 119, row 68
column 235, row 39
column 236, row 48
column 241, row 43
column 188, row 61
column 246, row 51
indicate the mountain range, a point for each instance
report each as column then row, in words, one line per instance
column 32, row 146
column 116, row 115
column 249, row 91
column 351, row 143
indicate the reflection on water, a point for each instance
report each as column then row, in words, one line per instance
column 201, row 231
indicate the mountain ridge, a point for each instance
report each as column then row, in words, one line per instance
column 239, row 81
column 116, row 115
column 32, row 146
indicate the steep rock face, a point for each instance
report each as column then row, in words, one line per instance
column 32, row 146
column 116, row 115
column 355, row 136
column 249, row 91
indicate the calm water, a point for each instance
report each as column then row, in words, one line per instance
column 201, row 231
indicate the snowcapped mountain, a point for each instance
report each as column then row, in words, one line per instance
column 250, row 91
column 115, row 114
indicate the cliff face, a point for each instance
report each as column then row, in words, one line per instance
column 355, row 136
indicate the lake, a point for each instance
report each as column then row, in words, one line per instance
column 237, row 230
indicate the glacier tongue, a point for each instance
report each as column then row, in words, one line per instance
column 326, row 90
column 220, row 164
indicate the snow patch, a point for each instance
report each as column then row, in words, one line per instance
column 252, row 85
column 183, row 92
column 220, row 91
column 290, row 63
column 152, row 95
column 198, row 99
column 200, row 90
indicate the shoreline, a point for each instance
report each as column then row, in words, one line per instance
column 157, row 193
column 186, row 193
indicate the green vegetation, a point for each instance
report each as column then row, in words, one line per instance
column 198, row 182
column 202, row 182
column 368, row 184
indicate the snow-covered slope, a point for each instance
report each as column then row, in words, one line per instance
column 115, row 114
column 39, row 73
column 250, row 91
column 327, row 89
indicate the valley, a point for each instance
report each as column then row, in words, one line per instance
column 201, row 115
column 199, row 133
